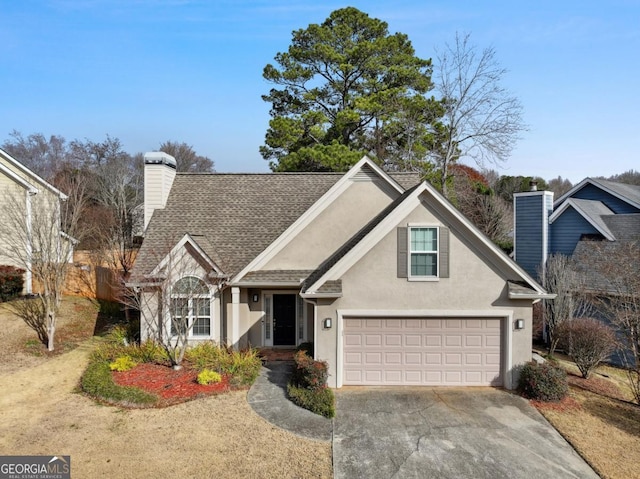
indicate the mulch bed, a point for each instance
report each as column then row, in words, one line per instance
column 566, row 404
column 169, row 385
column 596, row 385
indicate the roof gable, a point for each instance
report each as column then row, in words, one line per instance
column 28, row 173
column 629, row 194
column 364, row 170
column 383, row 224
column 592, row 211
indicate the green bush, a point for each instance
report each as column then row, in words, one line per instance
column 207, row 376
column 97, row 381
column 544, row 382
column 320, row 401
column 11, row 282
column 242, row 366
column 122, row 364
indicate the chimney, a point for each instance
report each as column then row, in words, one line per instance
column 533, row 185
column 159, row 172
column 531, row 212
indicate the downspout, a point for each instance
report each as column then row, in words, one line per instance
column 29, row 245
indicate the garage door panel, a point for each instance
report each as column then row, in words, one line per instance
column 453, row 352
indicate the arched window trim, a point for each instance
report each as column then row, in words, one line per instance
column 194, row 301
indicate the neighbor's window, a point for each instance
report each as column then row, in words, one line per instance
column 190, row 307
column 423, row 245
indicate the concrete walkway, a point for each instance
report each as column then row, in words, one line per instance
column 268, row 398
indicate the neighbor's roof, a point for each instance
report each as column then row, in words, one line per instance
column 626, row 192
column 233, row 217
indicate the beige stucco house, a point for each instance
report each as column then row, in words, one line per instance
column 387, row 279
column 27, row 203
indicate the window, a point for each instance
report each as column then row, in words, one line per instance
column 190, row 307
column 423, row 255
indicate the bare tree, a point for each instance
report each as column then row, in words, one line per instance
column 33, row 236
column 618, row 299
column 559, row 186
column 176, row 304
column 559, row 276
column 43, row 156
column 187, row 159
column 482, row 121
column 477, row 201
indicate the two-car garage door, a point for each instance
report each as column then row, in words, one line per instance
column 417, row 351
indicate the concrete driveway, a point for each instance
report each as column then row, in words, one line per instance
column 447, row 433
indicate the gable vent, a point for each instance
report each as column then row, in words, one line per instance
column 366, row 173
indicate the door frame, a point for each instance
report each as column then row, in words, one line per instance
column 267, row 317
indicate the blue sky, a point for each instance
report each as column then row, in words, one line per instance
column 147, row 71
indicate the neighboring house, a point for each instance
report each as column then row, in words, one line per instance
column 387, row 279
column 596, row 223
column 24, row 192
column 592, row 212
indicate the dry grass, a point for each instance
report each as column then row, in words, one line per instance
column 213, row 437
column 599, row 420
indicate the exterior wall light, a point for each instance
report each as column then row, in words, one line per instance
column 519, row 323
column 255, row 298
column 327, row 323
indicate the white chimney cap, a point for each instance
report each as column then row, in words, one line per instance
column 159, row 157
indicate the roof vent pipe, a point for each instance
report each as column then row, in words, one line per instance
column 533, row 185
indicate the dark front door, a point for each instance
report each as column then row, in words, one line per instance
column 284, row 319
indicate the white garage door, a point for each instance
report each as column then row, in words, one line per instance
column 428, row 352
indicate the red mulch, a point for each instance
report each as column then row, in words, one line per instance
column 169, row 385
column 566, row 404
column 596, row 385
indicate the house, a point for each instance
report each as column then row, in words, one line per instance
column 592, row 212
column 387, row 279
column 24, row 199
column 597, row 224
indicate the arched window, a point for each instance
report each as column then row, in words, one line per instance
column 190, row 307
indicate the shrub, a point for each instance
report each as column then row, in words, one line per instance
column 543, row 382
column 588, row 342
column 11, row 282
column 207, row 377
column 307, row 347
column 97, row 381
column 320, row 401
column 242, row 366
column 308, row 385
column 308, row 373
column 123, row 363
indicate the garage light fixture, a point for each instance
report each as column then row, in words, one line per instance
column 327, row 323
column 255, row 298
column 519, row 323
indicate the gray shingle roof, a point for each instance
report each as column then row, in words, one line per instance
column 233, row 217
column 631, row 192
column 595, row 210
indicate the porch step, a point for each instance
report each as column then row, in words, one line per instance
column 270, row 354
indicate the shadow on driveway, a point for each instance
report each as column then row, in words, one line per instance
column 447, row 433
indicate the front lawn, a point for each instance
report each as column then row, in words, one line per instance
column 599, row 420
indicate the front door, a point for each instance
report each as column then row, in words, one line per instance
column 284, row 319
